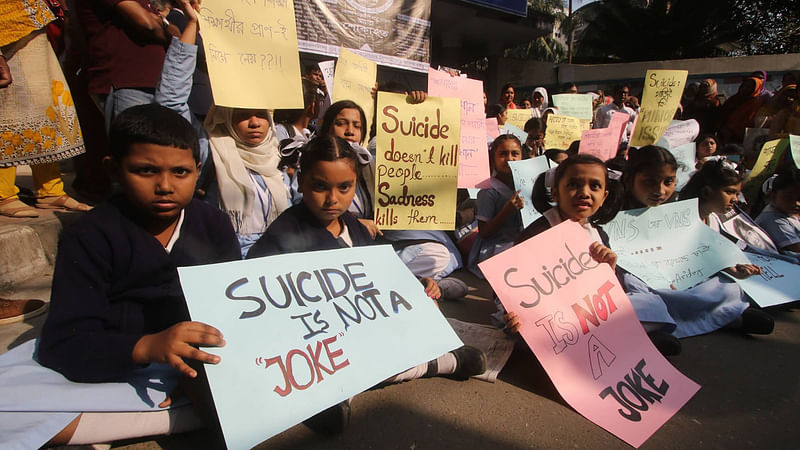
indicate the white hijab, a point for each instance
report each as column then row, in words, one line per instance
column 232, row 158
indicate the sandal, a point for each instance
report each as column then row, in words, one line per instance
column 63, row 202
column 13, row 207
column 12, row 311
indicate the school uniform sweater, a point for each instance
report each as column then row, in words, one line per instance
column 298, row 230
column 114, row 282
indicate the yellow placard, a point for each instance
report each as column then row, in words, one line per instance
column 518, row 117
column 251, row 51
column 562, row 131
column 662, row 95
column 417, row 163
column 353, row 80
column 768, row 160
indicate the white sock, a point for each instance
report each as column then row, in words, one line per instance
column 447, row 363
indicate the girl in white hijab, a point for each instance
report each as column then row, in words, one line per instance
column 539, row 102
column 244, row 148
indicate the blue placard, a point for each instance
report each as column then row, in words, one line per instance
column 517, row 7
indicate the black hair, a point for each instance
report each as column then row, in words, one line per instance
column 714, row 175
column 151, row 124
column 645, row 158
column 533, row 124
column 704, row 136
column 568, row 86
column 494, row 110
column 552, row 152
column 499, row 140
column 335, row 109
column 289, row 116
column 506, row 86
column 574, row 147
column 327, row 148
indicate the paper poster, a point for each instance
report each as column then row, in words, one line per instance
column 328, row 69
column 771, row 154
column 685, row 157
column 777, row 284
column 251, row 52
column 512, row 129
column 305, row 331
column 473, row 155
column 742, row 227
column 561, row 131
column 794, row 143
column 604, row 142
column 621, row 121
column 417, row 163
column 525, row 173
column 679, row 132
column 669, row 245
column 577, row 320
column 663, row 90
column 495, row 343
column 574, row 105
column 492, row 129
column 518, row 117
column 354, row 80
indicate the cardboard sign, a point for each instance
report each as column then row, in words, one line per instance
column 492, row 129
column 518, row 117
column 679, row 132
column 777, row 284
column 328, row 69
column 512, row 129
column 574, row 105
column 794, row 143
column 577, row 320
column 354, row 80
column 416, row 175
column 767, row 162
column 561, row 132
column 685, row 157
column 473, row 155
column 525, row 173
column 669, row 245
column 663, row 90
column 305, row 331
column 251, row 51
column 604, row 142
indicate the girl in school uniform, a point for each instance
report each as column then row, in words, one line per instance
column 780, row 217
column 328, row 179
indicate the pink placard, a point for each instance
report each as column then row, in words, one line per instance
column 492, row 129
column 604, row 142
column 619, row 121
column 584, row 331
column 473, row 154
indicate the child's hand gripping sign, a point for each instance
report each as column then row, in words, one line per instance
column 580, row 324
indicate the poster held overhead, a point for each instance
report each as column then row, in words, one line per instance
column 662, row 95
column 354, row 79
column 251, row 52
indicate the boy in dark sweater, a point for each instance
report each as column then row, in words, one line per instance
column 116, row 302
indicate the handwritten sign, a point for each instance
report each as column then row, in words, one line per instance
column 305, row 331
column 742, row 227
column 354, row 80
column 417, row 163
column 662, row 95
column 525, row 173
column 767, row 162
column 669, row 245
column 251, row 51
column 473, row 156
column 328, row 69
column 777, row 284
column 679, row 132
column 512, row 129
column 577, row 320
column 518, row 117
column 561, row 131
column 604, row 142
column 794, row 142
column 574, row 105
column 492, row 129
column 685, row 157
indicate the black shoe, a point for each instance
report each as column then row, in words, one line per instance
column 470, row 361
column 331, row 421
column 755, row 321
column 666, row 343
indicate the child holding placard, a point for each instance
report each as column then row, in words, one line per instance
column 499, row 220
column 780, row 217
column 242, row 176
column 117, row 307
column 649, row 180
column 328, row 179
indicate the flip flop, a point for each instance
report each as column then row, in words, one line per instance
column 12, row 311
column 63, row 202
column 13, row 207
